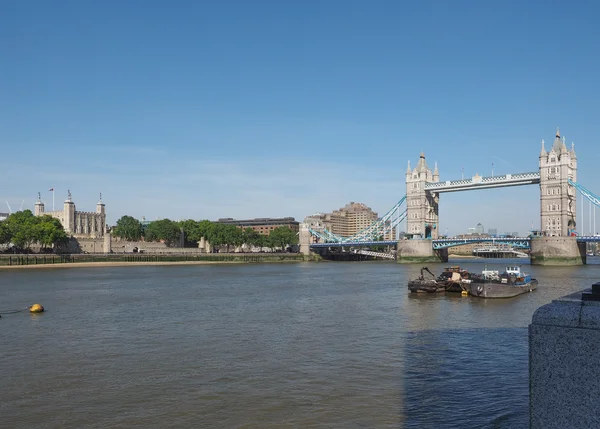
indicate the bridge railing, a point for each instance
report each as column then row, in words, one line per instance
column 517, row 242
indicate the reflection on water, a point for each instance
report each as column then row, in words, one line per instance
column 336, row 345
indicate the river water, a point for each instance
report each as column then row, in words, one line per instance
column 315, row 345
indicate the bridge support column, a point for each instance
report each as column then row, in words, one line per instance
column 304, row 239
column 419, row 251
column 557, row 251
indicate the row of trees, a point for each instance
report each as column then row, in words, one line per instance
column 218, row 234
column 23, row 229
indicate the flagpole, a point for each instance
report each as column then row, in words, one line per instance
column 53, row 198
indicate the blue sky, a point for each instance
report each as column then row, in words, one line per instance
column 190, row 109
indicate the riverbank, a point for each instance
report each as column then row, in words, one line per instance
column 458, row 256
column 112, row 264
column 116, row 260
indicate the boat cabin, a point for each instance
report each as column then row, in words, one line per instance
column 514, row 270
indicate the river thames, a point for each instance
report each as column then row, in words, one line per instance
column 310, row 345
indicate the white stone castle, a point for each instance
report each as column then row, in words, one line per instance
column 77, row 224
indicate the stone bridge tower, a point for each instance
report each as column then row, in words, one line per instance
column 558, row 202
column 422, row 206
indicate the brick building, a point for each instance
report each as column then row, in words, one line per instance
column 263, row 225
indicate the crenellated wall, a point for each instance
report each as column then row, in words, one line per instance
column 78, row 224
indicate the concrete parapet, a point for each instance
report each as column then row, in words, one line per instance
column 419, row 251
column 557, row 251
column 564, row 375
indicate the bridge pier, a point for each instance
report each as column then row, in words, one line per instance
column 557, row 251
column 304, row 239
column 419, row 251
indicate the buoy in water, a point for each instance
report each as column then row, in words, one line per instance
column 36, row 308
column 464, row 293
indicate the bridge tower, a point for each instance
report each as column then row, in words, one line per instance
column 558, row 202
column 422, row 206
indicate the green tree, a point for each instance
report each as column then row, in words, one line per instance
column 191, row 231
column 50, row 231
column 22, row 227
column 4, row 233
column 204, row 228
column 129, row 228
column 234, row 236
column 283, row 237
column 252, row 237
column 164, row 230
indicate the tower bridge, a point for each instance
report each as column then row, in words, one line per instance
column 557, row 243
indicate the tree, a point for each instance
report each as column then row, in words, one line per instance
column 282, row 237
column 252, row 237
column 50, row 231
column 22, row 228
column 129, row 228
column 204, row 229
column 191, row 231
column 164, row 230
column 4, row 233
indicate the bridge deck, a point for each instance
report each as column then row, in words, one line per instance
column 478, row 182
column 517, row 242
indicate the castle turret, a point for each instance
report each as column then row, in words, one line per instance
column 557, row 145
column 563, row 147
column 436, row 174
column 557, row 197
column 69, row 215
column 101, row 210
column 543, row 153
column 39, row 206
column 100, row 205
column 421, row 205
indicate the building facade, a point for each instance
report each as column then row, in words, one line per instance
column 558, row 206
column 350, row 219
column 422, row 206
column 77, row 224
column 263, row 226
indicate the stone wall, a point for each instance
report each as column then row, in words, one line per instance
column 419, row 251
column 557, row 251
column 564, row 376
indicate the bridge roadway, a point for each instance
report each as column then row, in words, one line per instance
column 478, row 182
column 444, row 243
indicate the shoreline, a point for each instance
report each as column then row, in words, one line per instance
column 133, row 264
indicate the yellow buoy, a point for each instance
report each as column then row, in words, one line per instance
column 36, row 308
column 464, row 293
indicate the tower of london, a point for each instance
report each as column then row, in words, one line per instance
column 77, row 224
